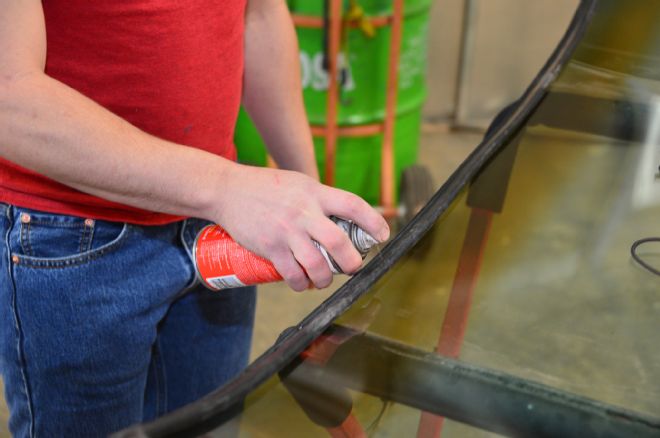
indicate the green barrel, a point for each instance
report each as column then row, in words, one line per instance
column 362, row 96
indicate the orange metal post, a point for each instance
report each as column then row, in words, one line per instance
column 317, row 22
column 331, row 131
column 351, row 131
column 334, row 37
column 270, row 162
column 460, row 301
column 350, row 428
column 387, row 159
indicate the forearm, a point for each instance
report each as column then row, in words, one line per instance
column 54, row 130
column 272, row 91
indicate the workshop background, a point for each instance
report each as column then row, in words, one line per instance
column 482, row 54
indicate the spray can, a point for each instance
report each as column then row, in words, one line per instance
column 221, row 263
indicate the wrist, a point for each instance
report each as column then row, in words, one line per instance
column 298, row 157
column 211, row 197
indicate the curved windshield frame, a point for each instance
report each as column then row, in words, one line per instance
column 217, row 407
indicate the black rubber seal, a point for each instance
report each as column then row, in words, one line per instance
column 212, row 410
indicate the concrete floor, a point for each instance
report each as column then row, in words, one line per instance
column 278, row 307
column 564, row 327
column 558, row 300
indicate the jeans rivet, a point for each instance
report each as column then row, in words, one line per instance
column 89, row 222
column 15, row 259
column 25, row 218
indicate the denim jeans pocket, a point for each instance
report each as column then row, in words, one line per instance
column 52, row 240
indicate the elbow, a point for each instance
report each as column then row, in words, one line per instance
column 15, row 90
column 4, row 91
column 7, row 93
column 12, row 83
column 7, row 99
column 6, row 105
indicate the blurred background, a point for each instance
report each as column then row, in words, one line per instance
column 480, row 55
column 477, row 56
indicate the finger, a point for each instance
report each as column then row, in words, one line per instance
column 290, row 271
column 349, row 206
column 312, row 261
column 337, row 244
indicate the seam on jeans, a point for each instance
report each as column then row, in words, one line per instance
column 182, row 237
column 52, row 224
column 85, row 238
column 161, row 381
column 81, row 241
column 17, row 326
column 24, row 234
column 78, row 259
column 154, row 370
column 92, row 230
column 195, row 281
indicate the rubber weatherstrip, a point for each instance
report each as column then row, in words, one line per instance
column 488, row 399
column 203, row 415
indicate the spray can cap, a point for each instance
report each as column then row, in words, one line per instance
column 362, row 241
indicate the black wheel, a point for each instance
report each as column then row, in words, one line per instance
column 416, row 189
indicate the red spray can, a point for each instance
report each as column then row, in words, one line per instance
column 221, row 263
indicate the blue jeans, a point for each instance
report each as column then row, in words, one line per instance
column 104, row 325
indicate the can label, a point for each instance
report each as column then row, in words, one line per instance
column 221, row 263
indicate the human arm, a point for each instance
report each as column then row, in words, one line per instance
column 48, row 127
column 272, row 93
column 52, row 129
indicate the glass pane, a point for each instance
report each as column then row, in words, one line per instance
column 528, row 273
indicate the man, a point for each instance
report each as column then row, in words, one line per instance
column 116, row 123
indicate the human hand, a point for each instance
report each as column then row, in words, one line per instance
column 277, row 214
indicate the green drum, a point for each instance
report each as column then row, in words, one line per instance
column 363, row 83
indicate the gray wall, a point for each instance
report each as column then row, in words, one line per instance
column 506, row 44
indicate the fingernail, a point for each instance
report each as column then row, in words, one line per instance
column 384, row 234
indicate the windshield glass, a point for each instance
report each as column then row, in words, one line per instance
column 528, row 273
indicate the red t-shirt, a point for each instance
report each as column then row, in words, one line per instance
column 172, row 68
